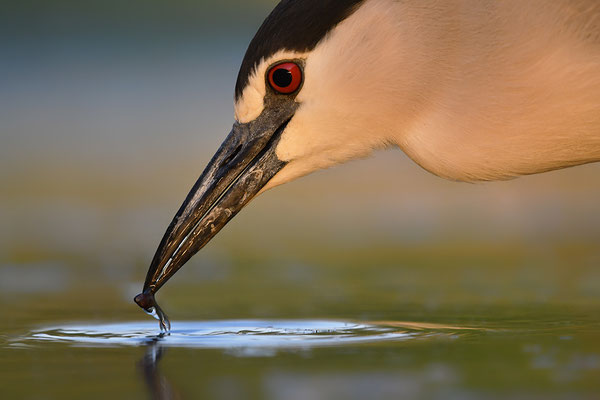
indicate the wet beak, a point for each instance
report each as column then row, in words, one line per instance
column 244, row 163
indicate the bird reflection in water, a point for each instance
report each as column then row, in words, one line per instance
column 159, row 386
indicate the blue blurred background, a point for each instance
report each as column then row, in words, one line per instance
column 110, row 110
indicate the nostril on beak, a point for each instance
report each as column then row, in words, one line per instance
column 232, row 155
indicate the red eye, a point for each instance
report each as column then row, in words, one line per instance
column 285, row 78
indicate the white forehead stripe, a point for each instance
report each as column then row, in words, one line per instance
column 251, row 103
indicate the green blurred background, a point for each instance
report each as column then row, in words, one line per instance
column 109, row 111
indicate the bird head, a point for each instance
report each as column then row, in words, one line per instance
column 305, row 96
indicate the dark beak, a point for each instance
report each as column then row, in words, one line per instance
column 244, row 163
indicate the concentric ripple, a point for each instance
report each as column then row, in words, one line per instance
column 231, row 334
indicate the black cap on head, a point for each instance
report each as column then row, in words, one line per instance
column 294, row 25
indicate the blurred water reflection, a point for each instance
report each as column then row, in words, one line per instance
column 158, row 385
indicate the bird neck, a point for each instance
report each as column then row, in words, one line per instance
column 497, row 89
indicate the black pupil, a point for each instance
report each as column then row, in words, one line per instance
column 282, row 77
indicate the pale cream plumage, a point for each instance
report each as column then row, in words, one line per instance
column 469, row 89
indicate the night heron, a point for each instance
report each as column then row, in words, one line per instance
column 471, row 90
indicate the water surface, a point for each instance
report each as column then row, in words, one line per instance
column 269, row 336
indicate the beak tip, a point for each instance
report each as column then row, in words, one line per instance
column 145, row 300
